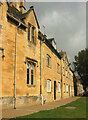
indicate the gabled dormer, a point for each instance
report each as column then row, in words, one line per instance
column 64, row 57
column 33, row 25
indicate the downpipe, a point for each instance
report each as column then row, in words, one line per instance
column 15, row 66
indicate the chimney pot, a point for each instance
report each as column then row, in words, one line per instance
column 32, row 7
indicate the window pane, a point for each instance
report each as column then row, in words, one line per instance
column 48, row 85
column 32, row 34
column 28, row 73
column 28, row 32
column 48, row 60
column 64, row 87
column 32, row 74
column 58, row 87
column 57, row 67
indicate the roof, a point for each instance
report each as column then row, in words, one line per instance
column 48, row 43
column 62, row 54
column 13, row 11
column 32, row 9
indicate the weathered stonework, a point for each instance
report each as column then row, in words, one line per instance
column 31, row 94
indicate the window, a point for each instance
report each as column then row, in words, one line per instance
column 66, row 73
column 48, row 60
column 33, row 34
column 29, row 32
column 48, row 85
column 30, row 74
column 58, row 86
column 66, row 88
column 57, row 67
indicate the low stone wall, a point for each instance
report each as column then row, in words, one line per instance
column 22, row 100
column 30, row 100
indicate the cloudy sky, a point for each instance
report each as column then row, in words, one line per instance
column 65, row 21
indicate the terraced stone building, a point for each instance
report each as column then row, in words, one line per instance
column 31, row 66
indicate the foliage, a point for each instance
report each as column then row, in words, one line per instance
column 81, row 66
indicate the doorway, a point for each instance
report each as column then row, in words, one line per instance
column 54, row 90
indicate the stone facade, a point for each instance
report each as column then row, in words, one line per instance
column 30, row 50
column 67, row 77
column 78, row 87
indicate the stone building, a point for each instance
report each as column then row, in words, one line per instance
column 67, row 76
column 78, row 87
column 32, row 68
column 50, row 70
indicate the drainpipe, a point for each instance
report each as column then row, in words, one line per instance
column 15, row 66
column 41, row 42
column 61, row 81
column 40, row 69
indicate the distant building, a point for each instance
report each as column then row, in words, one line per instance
column 67, row 76
column 78, row 87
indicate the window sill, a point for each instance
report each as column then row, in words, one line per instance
column 48, row 66
column 58, row 92
column 58, row 72
column 32, row 42
column 48, row 91
column 31, row 85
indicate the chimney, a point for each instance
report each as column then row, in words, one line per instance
column 22, row 6
column 61, row 50
column 32, row 7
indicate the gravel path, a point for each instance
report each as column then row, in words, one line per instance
column 25, row 109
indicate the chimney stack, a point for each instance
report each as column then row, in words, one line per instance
column 22, row 6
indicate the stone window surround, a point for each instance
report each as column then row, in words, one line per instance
column 32, row 26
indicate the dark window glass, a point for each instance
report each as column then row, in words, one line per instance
column 32, row 74
column 28, row 32
column 28, row 73
column 57, row 67
column 33, row 34
column 48, row 60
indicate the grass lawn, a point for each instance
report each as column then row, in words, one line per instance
column 63, row 112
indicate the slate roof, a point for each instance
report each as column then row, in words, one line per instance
column 25, row 15
column 48, row 43
column 18, row 15
column 15, row 13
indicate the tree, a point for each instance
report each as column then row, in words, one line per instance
column 81, row 66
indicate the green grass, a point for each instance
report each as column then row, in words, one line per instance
column 63, row 112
